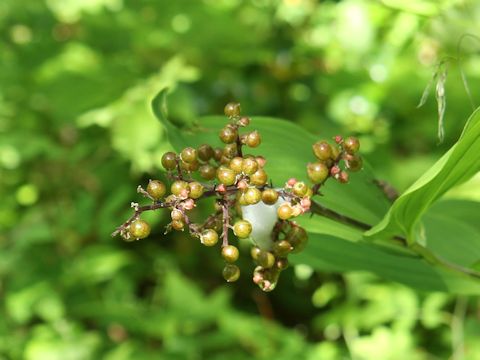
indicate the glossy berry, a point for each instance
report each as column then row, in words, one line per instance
column 354, row 163
column 242, row 229
column 317, row 172
column 269, row 196
column 253, row 139
column 156, row 189
column 232, row 109
column 207, row 171
column 285, row 211
column 259, row 178
column 254, row 252
column 351, row 145
column 217, row 154
column 230, row 253
column 231, row 273
column 225, row 175
column 176, row 214
column 178, row 186
column 249, row 166
column 300, row 189
column 261, row 161
column 265, row 259
column 139, row 229
column 281, row 264
column 209, row 237
column 322, row 150
column 189, row 166
column 169, row 160
column 236, row 164
column 297, row 237
column 230, row 151
column 241, row 198
column 189, row 155
column 253, row 196
column 228, row 134
column 205, row 152
column 196, row 189
column 282, row 247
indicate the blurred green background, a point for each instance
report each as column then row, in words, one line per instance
column 77, row 137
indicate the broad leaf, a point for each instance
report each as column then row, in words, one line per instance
column 460, row 163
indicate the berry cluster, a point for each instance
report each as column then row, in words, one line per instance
column 245, row 202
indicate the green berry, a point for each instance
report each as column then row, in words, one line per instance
column 156, row 189
column 232, row 109
column 298, row 238
column 178, row 225
column 236, row 164
column 231, row 273
column 169, row 160
column 266, row 259
column 190, row 167
column 317, row 172
column 249, row 166
column 285, row 211
column 230, row 253
column 282, row 247
column 281, row 264
column 139, row 229
column 209, row 237
column 254, row 252
column 196, row 189
column 230, row 150
column 354, row 163
column 322, row 150
column 300, row 189
column 259, row 178
column 242, row 229
column 351, row 145
column 178, row 186
column 217, row 154
column 205, row 152
column 228, row 134
column 225, row 175
column 207, row 171
column 253, row 196
column 189, row 155
column 176, row 214
column 253, row 139
column 269, row 196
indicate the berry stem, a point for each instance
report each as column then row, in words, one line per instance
column 226, row 221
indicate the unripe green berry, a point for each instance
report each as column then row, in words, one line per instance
column 230, row 150
column 254, row 252
column 232, row 109
column 178, row 186
column 281, row 264
column 266, row 259
column 253, row 196
column 188, row 155
column 253, row 139
column 322, row 150
column 139, row 229
column 249, row 166
column 205, row 152
column 230, row 253
column 241, row 199
column 169, row 160
column 209, row 237
column 207, row 171
column 156, row 189
column 354, row 163
column 351, row 145
column 259, row 178
column 228, row 134
column 282, row 247
column 298, row 238
column 196, row 189
column 269, row 196
column 300, row 189
column 178, row 225
column 190, row 167
column 242, row 229
column 317, row 172
column 226, row 176
column 231, row 273
column 236, row 164
column 217, row 154
column 285, row 211
column 176, row 214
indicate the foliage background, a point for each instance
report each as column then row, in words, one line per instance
column 77, row 137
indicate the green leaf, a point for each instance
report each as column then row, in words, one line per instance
column 459, row 164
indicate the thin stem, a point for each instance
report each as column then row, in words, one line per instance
column 226, row 221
